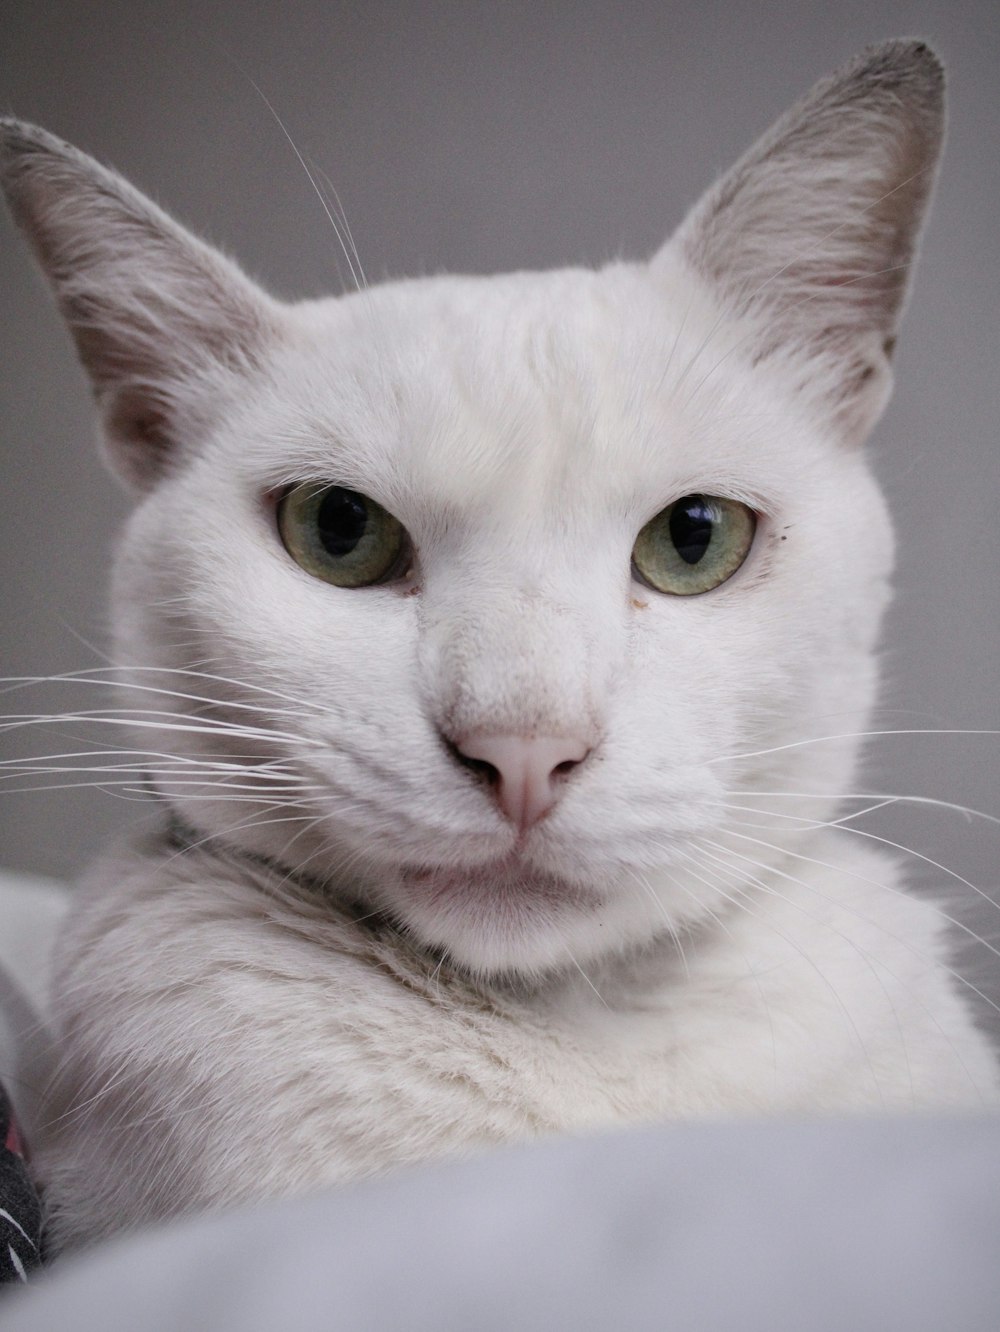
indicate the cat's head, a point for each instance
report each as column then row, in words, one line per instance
column 493, row 601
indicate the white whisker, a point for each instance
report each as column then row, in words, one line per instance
column 847, row 735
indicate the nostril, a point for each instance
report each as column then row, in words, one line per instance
column 482, row 767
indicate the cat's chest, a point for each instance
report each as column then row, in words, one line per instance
column 278, row 1047
column 349, row 1028
column 294, row 1025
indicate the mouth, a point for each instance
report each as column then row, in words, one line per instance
column 507, row 882
column 504, row 916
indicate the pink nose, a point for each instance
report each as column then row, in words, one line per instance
column 526, row 773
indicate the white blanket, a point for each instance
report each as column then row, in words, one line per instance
column 869, row 1226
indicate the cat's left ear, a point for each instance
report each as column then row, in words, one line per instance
column 807, row 242
column 167, row 328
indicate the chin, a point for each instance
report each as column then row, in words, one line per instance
column 502, row 918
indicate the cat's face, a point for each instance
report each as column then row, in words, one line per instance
column 513, row 743
column 523, row 432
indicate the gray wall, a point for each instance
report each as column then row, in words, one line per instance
column 482, row 137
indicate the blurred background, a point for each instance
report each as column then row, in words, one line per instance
column 481, row 137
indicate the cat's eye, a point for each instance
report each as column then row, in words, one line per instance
column 341, row 536
column 694, row 544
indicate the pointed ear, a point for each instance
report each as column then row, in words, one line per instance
column 810, row 237
column 165, row 326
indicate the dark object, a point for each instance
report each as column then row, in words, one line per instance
column 20, row 1212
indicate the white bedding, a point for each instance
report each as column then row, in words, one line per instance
column 877, row 1226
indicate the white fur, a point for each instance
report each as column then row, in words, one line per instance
column 357, row 964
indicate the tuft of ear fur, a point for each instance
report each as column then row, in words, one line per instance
column 811, row 234
column 165, row 325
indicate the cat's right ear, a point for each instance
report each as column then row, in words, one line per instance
column 166, row 326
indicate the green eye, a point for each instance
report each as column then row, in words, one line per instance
column 694, row 545
column 340, row 536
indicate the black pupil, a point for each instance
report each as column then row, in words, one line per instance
column 691, row 524
column 341, row 520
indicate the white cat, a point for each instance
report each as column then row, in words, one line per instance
column 499, row 650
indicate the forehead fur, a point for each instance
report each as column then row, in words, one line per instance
column 519, row 388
